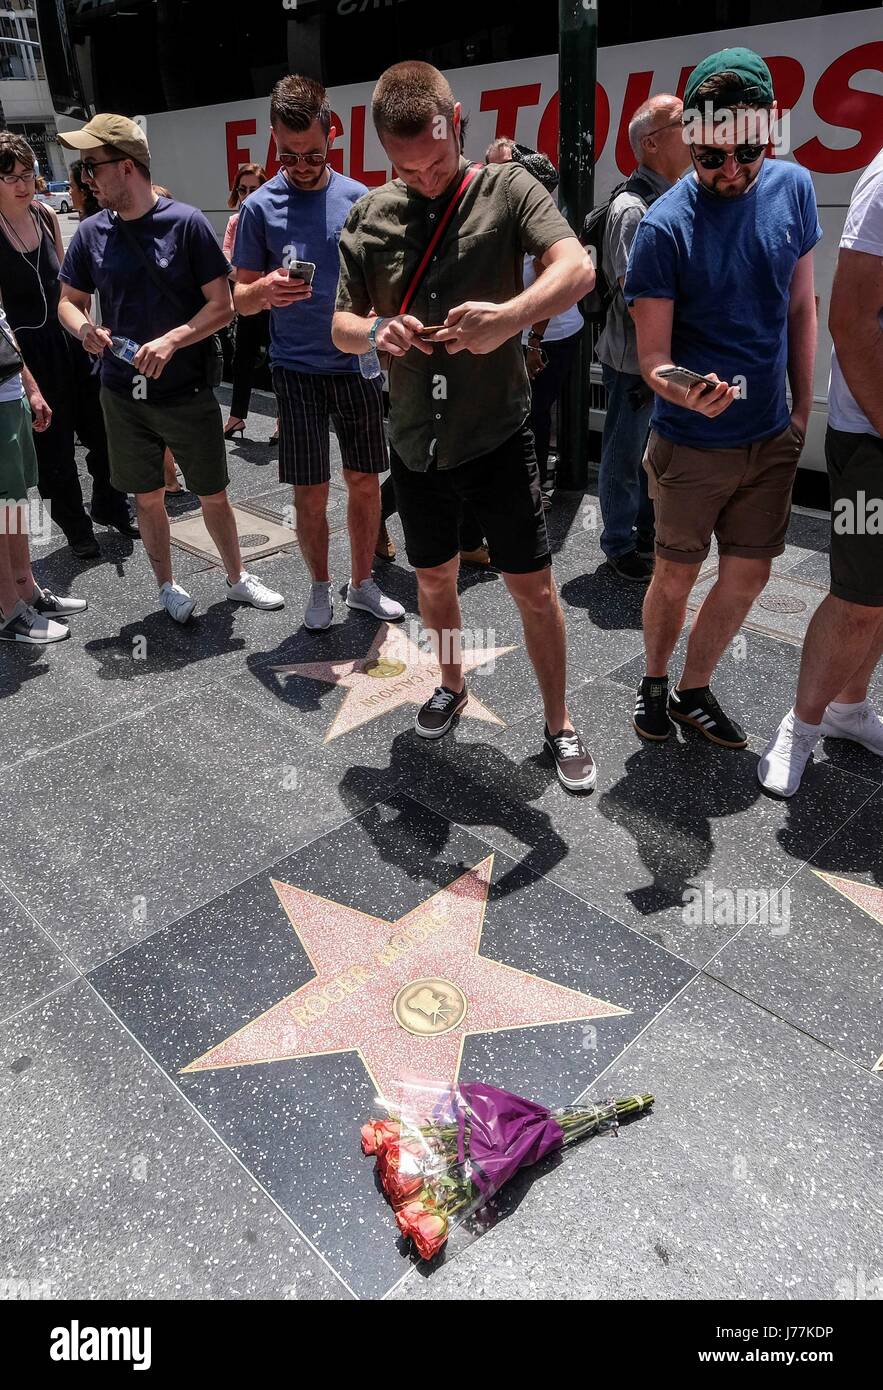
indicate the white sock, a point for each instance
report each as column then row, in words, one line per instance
column 839, row 708
column 803, row 728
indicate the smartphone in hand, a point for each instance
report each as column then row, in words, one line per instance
column 683, row 376
column 302, row 270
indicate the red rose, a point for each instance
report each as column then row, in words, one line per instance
column 400, row 1153
column 401, row 1188
column 376, row 1134
column 425, row 1226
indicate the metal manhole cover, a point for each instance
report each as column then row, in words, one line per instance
column 253, row 538
column 775, row 604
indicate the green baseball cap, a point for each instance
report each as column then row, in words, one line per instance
column 748, row 69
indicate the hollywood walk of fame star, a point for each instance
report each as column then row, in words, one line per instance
column 866, row 896
column 404, row 995
column 393, row 672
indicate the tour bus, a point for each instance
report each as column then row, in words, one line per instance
column 199, row 72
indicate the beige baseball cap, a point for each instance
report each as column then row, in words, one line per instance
column 119, row 131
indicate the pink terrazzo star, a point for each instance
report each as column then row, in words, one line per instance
column 364, row 964
column 370, row 696
column 864, row 895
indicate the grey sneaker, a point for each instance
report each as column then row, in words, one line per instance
column 25, row 624
column 177, row 602
column 320, row 609
column 369, row 597
column 50, row 605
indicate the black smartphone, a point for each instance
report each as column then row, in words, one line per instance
column 302, row 270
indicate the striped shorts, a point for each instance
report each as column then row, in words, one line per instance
column 308, row 404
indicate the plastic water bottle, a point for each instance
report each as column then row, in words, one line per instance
column 124, row 348
column 369, row 364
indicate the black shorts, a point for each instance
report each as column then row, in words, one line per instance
column 308, row 404
column 855, row 472
column 503, row 490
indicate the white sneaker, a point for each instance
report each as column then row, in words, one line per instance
column 250, row 589
column 177, row 602
column 785, row 757
column 369, row 597
column 862, row 726
column 25, row 624
column 320, row 609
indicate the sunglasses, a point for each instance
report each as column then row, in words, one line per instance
column 291, row 161
column 714, row 159
column 89, row 165
column 27, row 177
column 244, row 188
column 658, row 129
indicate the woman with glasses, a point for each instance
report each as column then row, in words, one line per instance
column 30, row 257
column 252, row 331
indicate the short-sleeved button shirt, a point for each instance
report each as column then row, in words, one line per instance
column 444, row 407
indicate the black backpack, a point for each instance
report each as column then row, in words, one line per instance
column 596, row 304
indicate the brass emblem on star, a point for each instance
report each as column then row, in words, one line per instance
column 382, row 668
column 429, row 1007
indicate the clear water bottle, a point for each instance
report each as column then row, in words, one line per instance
column 124, row 348
column 369, row 364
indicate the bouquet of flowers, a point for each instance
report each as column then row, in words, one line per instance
column 452, row 1163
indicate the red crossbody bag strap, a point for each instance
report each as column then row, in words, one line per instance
column 437, row 236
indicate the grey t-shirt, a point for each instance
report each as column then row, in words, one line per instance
column 617, row 346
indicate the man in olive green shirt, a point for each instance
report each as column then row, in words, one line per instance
column 460, row 401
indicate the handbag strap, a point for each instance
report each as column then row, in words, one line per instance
column 437, row 235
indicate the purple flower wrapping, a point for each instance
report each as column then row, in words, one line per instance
column 505, row 1133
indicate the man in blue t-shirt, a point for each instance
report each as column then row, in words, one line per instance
column 162, row 279
column 298, row 216
column 720, row 281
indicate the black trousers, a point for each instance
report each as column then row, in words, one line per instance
column 64, row 373
column 252, row 333
column 545, row 390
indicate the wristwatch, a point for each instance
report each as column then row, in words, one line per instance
column 372, row 334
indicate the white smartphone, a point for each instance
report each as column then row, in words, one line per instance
column 302, row 270
column 683, row 376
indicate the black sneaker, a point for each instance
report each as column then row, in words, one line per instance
column 651, row 715
column 438, row 714
column 56, row 605
column 631, row 567
column 700, row 708
column 25, row 625
column 573, row 762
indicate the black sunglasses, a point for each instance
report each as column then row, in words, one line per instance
column 89, row 165
column 714, row 159
column 242, row 189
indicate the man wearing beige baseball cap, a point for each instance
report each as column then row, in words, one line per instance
column 162, row 278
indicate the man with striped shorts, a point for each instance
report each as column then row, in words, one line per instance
column 298, row 216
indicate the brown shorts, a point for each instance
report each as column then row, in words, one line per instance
column 741, row 495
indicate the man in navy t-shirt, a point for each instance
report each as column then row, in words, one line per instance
column 298, row 216
column 720, row 281
column 163, row 284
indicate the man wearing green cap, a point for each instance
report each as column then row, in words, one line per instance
column 720, row 282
